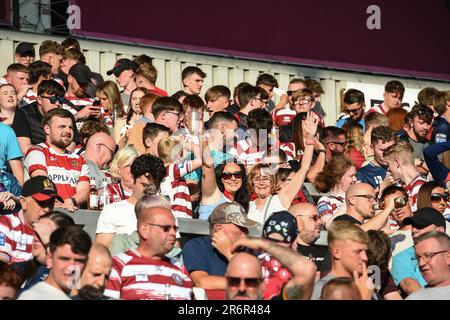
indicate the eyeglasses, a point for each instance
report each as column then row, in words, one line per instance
column 249, row 282
column 229, row 175
column 261, row 179
column 54, row 99
column 367, row 196
column 277, row 240
column 355, row 110
column 315, row 218
column 104, row 145
column 427, row 256
column 301, row 100
column 175, row 114
column 165, row 227
column 343, row 144
column 261, row 99
column 437, row 197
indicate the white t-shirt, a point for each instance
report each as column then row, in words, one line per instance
column 43, row 291
column 117, row 218
column 273, row 204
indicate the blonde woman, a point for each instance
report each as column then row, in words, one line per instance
column 262, row 181
column 122, row 185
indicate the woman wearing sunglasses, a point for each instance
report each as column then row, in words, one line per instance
column 8, row 104
column 225, row 183
column 262, row 181
column 433, row 195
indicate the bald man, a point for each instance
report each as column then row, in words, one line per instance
column 99, row 152
column 97, row 270
column 244, row 278
column 340, row 288
column 309, row 226
column 360, row 200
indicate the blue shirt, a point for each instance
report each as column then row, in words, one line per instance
column 343, row 120
column 442, row 128
column 9, row 146
column 40, row 275
column 200, row 255
column 371, row 174
column 403, row 266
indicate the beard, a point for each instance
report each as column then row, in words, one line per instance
column 420, row 136
column 60, row 143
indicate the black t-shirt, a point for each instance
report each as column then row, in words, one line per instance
column 28, row 123
column 347, row 217
column 318, row 254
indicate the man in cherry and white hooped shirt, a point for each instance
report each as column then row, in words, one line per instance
column 16, row 230
column 67, row 170
column 393, row 96
column 146, row 273
column 78, row 103
column 400, row 159
column 38, row 71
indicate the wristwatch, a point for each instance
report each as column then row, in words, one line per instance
column 75, row 203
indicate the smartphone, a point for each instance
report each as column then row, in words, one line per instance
column 96, row 103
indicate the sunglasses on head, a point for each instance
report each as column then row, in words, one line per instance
column 54, row 99
column 229, row 175
column 249, row 282
column 437, row 197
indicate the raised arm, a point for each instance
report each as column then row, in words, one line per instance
column 289, row 191
column 301, row 285
column 439, row 171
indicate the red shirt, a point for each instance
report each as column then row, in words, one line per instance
column 16, row 238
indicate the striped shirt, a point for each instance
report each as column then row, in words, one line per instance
column 412, row 189
column 327, row 206
column 134, row 277
column 29, row 97
column 378, row 108
column 282, row 117
column 65, row 170
column 176, row 188
column 16, row 238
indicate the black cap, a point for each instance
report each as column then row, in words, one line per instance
column 283, row 223
column 41, row 188
column 121, row 65
column 81, row 73
column 25, row 49
column 425, row 217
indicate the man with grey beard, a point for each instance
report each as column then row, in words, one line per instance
column 68, row 171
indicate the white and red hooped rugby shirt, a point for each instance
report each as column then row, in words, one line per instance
column 65, row 170
column 412, row 189
column 134, row 277
column 176, row 188
column 16, row 238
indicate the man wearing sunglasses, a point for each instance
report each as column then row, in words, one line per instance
column 333, row 138
column 16, row 230
column 433, row 256
column 354, row 104
column 309, row 227
column 405, row 267
column 146, row 273
column 27, row 122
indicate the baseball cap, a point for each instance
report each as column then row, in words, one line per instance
column 425, row 217
column 231, row 212
column 41, row 188
column 25, row 49
column 81, row 73
column 283, row 223
column 121, row 65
